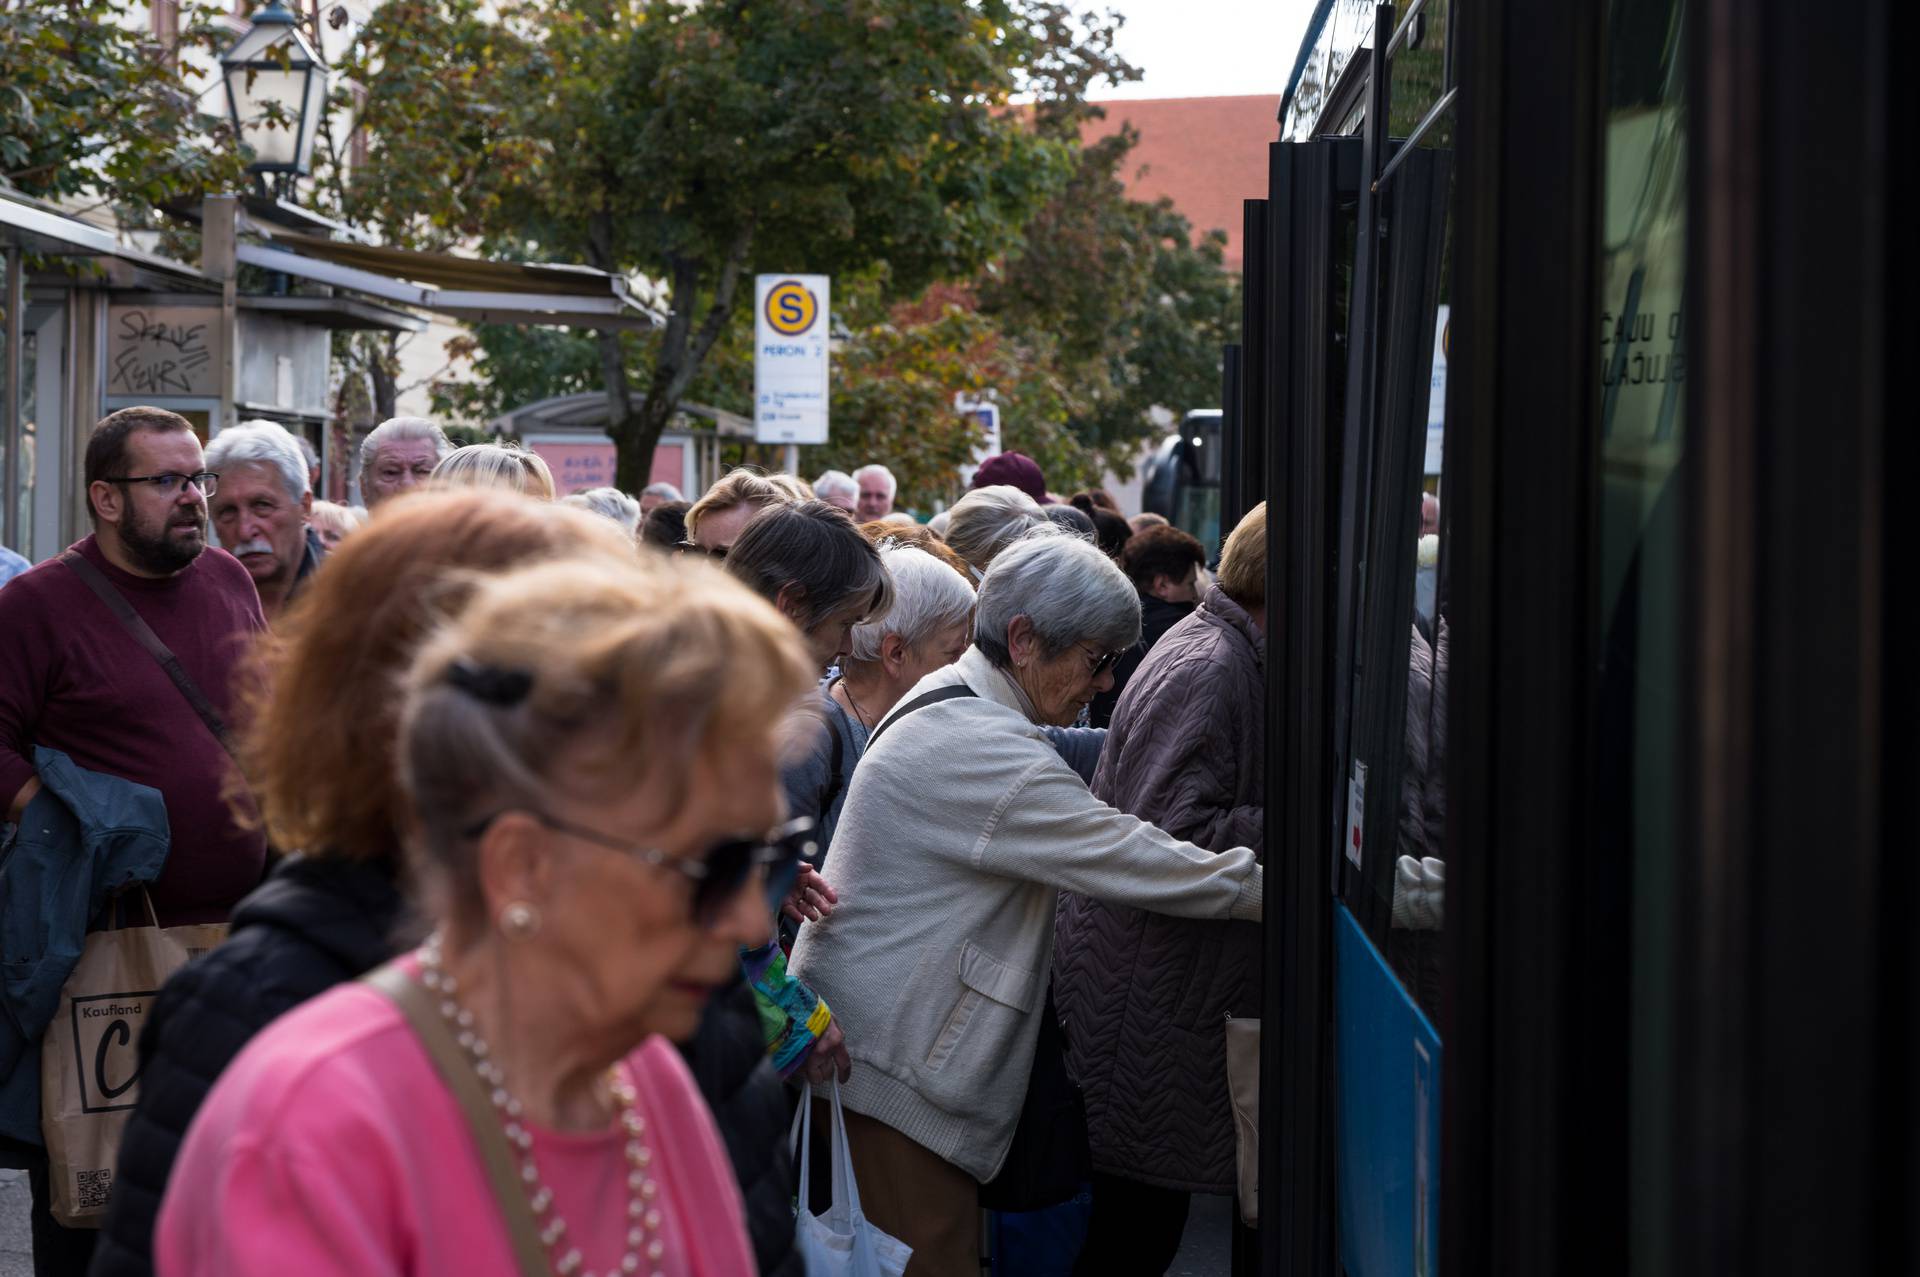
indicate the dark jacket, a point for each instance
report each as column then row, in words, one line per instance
column 1143, row 997
column 312, row 924
column 728, row 1057
column 1157, row 616
column 83, row 837
column 311, row 558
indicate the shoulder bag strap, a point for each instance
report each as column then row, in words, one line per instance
column 838, row 776
column 143, row 634
column 952, row 691
column 416, row 1003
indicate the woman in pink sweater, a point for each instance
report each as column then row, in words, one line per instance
column 592, row 757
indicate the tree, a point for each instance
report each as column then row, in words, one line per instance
column 703, row 143
column 1126, row 312
column 91, row 109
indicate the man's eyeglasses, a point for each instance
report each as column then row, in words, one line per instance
column 169, row 484
column 717, row 876
column 694, row 547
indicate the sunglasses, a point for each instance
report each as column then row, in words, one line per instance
column 1101, row 663
column 693, row 547
column 718, row 875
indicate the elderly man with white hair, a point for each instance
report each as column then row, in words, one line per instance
column 962, row 811
column 399, row 455
column 877, row 489
column 260, row 508
column 655, row 495
column 837, row 488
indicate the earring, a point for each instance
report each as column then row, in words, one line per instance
column 519, row 920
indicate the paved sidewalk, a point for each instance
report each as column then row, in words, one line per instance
column 1203, row 1253
column 16, row 1250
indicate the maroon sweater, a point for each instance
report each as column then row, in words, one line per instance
column 73, row 679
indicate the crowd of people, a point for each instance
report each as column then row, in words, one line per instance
column 564, row 842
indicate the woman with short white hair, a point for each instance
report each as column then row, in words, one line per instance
column 987, row 521
column 608, row 503
column 926, row 628
column 963, row 811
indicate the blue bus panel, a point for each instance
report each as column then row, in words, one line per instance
column 1388, row 1066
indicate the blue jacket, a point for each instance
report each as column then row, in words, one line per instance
column 83, row 837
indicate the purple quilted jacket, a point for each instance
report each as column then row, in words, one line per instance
column 1144, row 997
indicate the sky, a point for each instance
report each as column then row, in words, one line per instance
column 1207, row 48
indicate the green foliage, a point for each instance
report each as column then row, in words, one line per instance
column 703, row 143
column 1109, row 310
column 1111, row 297
column 89, row 108
column 515, row 367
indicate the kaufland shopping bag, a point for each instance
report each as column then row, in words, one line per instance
column 90, row 1061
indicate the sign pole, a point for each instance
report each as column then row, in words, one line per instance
column 790, row 459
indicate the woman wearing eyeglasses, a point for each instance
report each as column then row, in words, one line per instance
column 962, row 825
column 594, row 779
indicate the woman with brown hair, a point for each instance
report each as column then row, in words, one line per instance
column 918, row 536
column 319, row 754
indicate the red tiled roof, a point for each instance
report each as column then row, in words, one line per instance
column 1206, row 154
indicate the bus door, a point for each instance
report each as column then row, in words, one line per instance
column 1355, row 401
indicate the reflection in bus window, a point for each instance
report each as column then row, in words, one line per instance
column 1420, row 871
column 1640, row 387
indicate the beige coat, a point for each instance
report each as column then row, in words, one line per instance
column 961, row 826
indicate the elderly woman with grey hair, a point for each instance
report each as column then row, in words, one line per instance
column 987, row 521
column 608, row 503
column 962, row 825
column 926, row 628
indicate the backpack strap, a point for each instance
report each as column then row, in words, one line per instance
column 143, row 634
column 953, row 691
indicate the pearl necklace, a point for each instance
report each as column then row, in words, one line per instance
column 644, row 1247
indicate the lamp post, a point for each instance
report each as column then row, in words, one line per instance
column 276, row 90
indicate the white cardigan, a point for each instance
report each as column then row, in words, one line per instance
column 960, row 827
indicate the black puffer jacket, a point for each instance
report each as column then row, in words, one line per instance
column 728, row 1057
column 311, row 925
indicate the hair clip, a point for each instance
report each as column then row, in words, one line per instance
column 489, row 683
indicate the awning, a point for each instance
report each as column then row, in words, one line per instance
column 468, row 288
column 35, row 228
column 338, row 311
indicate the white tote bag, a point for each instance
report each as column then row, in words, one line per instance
column 840, row 1243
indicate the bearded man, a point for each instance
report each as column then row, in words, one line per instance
column 74, row 678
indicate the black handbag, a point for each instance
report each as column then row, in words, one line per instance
column 1050, row 1159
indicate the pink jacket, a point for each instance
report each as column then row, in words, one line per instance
column 331, row 1148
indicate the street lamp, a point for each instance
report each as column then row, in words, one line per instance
column 276, row 90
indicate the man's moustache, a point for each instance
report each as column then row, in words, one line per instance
column 254, row 545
